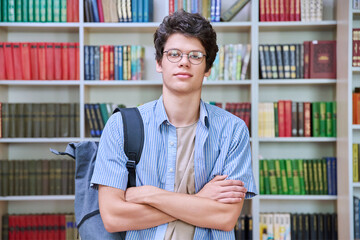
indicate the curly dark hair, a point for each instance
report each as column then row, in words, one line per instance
column 190, row 25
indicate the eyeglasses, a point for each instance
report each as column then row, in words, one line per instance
column 175, row 55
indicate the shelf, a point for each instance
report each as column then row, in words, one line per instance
column 356, row 126
column 356, row 11
column 356, row 69
column 39, row 140
column 158, row 83
column 39, row 83
column 297, row 197
column 296, row 81
column 298, row 139
column 38, row 198
column 291, row 26
column 39, row 27
column 356, row 184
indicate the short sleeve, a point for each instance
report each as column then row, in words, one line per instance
column 110, row 167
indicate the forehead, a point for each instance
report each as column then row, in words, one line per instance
column 184, row 43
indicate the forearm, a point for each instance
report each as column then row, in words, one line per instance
column 198, row 211
column 119, row 215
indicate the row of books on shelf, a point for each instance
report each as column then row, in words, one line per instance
column 356, row 47
column 291, row 10
column 107, row 62
column 356, row 212
column 298, row 226
column 356, row 4
column 231, row 62
column 287, row 118
column 34, row 120
column 60, row 226
column 356, row 163
column 356, row 105
column 39, row 61
column 312, row 59
column 37, row 177
column 243, row 228
column 239, row 109
column 39, row 11
column 118, row 10
column 298, row 176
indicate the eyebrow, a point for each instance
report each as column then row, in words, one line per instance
column 185, row 51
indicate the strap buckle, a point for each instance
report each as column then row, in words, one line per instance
column 130, row 164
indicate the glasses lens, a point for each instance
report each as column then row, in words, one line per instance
column 174, row 55
column 196, row 57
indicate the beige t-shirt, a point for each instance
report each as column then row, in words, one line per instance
column 184, row 179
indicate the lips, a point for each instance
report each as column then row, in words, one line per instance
column 183, row 74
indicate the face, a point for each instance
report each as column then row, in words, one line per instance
column 182, row 77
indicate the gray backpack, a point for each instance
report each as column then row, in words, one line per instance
column 87, row 215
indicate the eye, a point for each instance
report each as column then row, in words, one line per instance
column 174, row 53
column 195, row 55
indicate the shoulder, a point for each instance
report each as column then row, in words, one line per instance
column 220, row 117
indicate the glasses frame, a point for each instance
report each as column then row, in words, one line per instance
column 182, row 54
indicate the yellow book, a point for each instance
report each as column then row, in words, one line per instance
column 355, row 163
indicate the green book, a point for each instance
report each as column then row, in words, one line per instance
column 320, row 176
column 276, row 119
column 45, row 177
column 56, row 11
column 289, row 176
column 266, row 177
column 31, row 10
column 18, row 11
column 16, row 191
column 324, row 174
column 4, row 11
column 43, row 10
column 311, row 177
column 231, row 12
column 329, row 126
column 5, row 114
column 104, row 113
column 20, row 120
column 12, row 107
column 63, row 16
column 285, row 188
column 278, row 176
column 1, row 13
column 64, row 177
column 50, row 120
column 334, row 118
column 11, row 10
column 11, row 178
column 39, row 178
column 25, row 178
column 72, row 120
column 49, row 10
column 58, row 179
column 272, row 177
column 4, row 168
column 37, row 10
column 25, row 10
column 322, row 119
column 36, row 116
column 316, row 176
column 28, row 120
column 32, row 177
column 52, row 177
column 316, row 119
column 296, row 179
column 77, row 119
column 306, row 177
column 261, row 176
column 64, row 120
column 301, row 176
column 43, row 121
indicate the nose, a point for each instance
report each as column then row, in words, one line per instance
column 184, row 61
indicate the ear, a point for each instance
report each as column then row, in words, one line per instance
column 158, row 67
column 208, row 73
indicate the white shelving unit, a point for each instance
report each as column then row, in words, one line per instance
column 246, row 29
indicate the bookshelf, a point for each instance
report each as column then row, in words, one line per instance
column 244, row 28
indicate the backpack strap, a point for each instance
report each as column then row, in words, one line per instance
column 133, row 139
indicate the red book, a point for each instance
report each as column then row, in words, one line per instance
column 100, row 11
column 307, row 119
column 70, row 10
column 2, row 62
column 22, row 226
column 9, row 63
column 76, row 11
column 292, row 10
column 106, row 62
column 247, row 114
column 354, row 106
column 42, row 61
column 34, row 61
column 171, row 6
column 17, row 61
column 306, row 59
column 282, row 10
column 57, row 61
column 288, row 119
column 297, row 10
column 0, row 120
column 111, row 62
column 277, row 10
column 355, row 50
column 64, row 61
column 33, row 224
column 281, row 118
column 287, row 9
column 50, row 67
column 323, row 59
column 262, row 11
column 267, row 10
column 72, row 61
column 25, row 54
column 272, row 10
column 77, row 48
column 62, row 226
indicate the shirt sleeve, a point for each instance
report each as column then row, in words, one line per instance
column 238, row 160
column 110, row 166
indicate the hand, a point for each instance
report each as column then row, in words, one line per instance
column 139, row 194
column 222, row 190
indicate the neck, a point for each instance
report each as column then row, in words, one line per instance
column 182, row 110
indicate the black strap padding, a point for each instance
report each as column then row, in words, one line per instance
column 133, row 139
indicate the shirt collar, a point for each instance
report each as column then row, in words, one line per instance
column 162, row 117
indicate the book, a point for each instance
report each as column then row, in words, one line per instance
column 233, row 10
column 323, row 59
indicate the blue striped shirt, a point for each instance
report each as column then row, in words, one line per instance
column 222, row 147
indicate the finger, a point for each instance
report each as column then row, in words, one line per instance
column 233, row 189
column 232, row 183
column 230, row 200
column 231, row 195
column 219, row 178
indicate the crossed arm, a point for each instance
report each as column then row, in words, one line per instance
column 217, row 205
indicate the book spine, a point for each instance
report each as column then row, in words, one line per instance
column 316, row 119
column 289, row 176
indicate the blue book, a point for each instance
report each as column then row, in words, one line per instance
column 141, row 10
column 134, row 10
column 334, row 175
column 92, row 62
column 176, row 4
column 87, row 62
column 148, row 10
column 194, row 6
column 97, row 62
column 212, row 10
column 120, row 71
column 217, row 10
column 329, row 177
column 95, row 11
column 116, row 63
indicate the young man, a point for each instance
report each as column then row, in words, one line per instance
column 195, row 168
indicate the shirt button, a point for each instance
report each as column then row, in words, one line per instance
column 171, row 143
column 171, row 170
